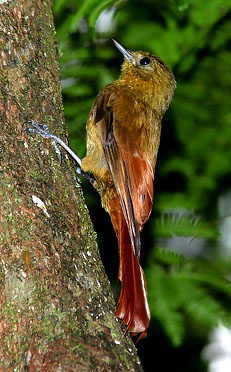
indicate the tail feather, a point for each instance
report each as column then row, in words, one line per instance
column 133, row 306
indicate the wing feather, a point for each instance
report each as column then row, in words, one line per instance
column 131, row 172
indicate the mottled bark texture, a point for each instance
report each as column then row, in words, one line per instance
column 56, row 306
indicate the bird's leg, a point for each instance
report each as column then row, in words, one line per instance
column 43, row 131
column 85, row 175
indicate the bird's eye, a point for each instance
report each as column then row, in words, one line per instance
column 145, row 61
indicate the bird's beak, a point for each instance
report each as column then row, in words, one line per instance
column 126, row 53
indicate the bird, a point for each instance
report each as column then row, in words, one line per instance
column 123, row 135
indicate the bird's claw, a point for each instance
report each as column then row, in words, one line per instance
column 43, row 131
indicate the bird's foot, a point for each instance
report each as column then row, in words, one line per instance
column 43, row 131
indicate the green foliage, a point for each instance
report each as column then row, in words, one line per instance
column 187, row 225
column 193, row 168
column 99, row 9
column 182, row 288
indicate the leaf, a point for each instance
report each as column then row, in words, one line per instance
column 98, row 10
column 163, row 309
column 73, row 20
column 185, row 224
column 168, row 257
column 182, row 288
column 57, row 5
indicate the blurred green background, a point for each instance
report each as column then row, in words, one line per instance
column 186, row 245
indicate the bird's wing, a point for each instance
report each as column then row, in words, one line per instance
column 122, row 129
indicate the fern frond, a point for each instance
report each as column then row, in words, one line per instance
column 183, row 224
column 180, row 287
column 164, row 310
column 168, row 257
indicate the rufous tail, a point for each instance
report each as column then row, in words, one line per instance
column 133, row 306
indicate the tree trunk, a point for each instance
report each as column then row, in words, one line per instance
column 56, row 304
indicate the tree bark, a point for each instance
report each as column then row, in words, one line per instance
column 56, row 305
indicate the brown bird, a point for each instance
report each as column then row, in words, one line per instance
column 123, row 135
